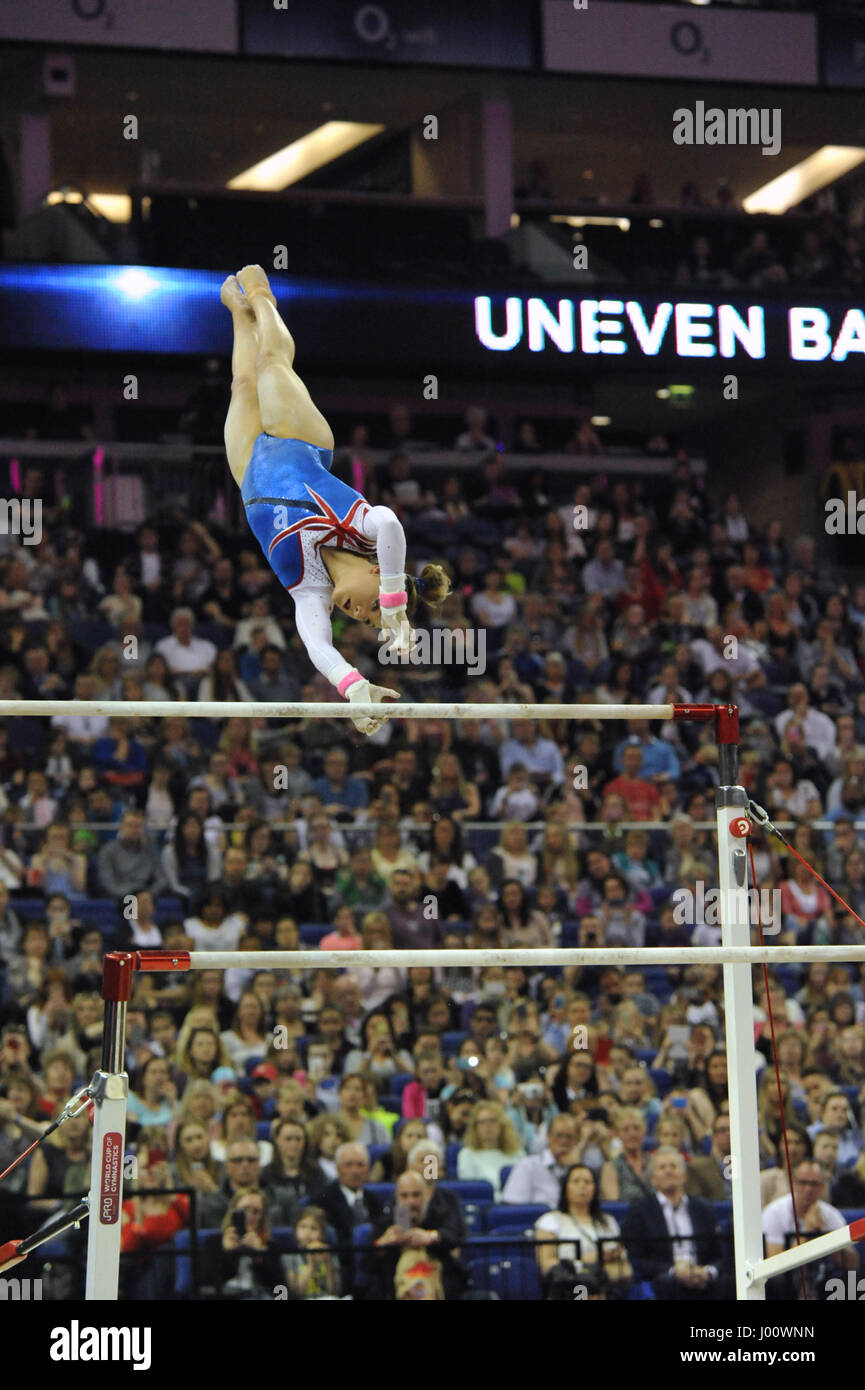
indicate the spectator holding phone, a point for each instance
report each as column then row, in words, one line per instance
column 245, row 1264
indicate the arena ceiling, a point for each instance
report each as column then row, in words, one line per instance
column 210, row 118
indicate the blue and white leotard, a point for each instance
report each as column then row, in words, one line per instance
column 295, row 506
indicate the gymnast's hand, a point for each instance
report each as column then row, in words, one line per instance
column 362, row 693
column 394, row 619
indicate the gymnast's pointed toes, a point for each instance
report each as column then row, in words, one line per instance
column 232, row 295
column 255, row 281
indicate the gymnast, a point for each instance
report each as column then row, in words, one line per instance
column 321, row 538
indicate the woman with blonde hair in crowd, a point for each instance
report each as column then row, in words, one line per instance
column 194, row 1164
column 558, row 866
column 625, row 1177
column 389, row 853
column 491, row 1143
column 376, row 983
column 246, row 1038
column 201, row 1102
column 407, row 1133
column 325, row 1134
column 452, row 794
column 512, row 857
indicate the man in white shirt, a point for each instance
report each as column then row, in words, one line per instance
column 817, row 728
column 816, row 1217
column 187, row 656
column 82, row 729
column 540, row 756
column 538, row 1178
column 688, row 1264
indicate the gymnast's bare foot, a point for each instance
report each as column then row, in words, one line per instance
column 233, row 297
column 254, row 281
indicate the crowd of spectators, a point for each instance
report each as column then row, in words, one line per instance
column 280, row 1100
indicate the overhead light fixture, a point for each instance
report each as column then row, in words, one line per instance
column 623, row 223
column 321, row 146
column 655, row 222
column 116, row 207
column 823, row 167
column 599, row 420
column 663, row 394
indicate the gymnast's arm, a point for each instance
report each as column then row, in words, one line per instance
column 384, row 527
column 312, row 612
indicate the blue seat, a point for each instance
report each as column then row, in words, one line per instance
column 399, row 1082
column 183, row 1262
column 377, row 1151
column 262, row 1129
column 452, row 1042
column 662, row 1079
column 723, row 1215
column 311, row 933
column 514, row 1277
column 451, row 1154
column 521, row 1217
column 474, row 1198
column 570, row 934
column 384, row 1190
column 361, row 1235
column 646, row 1054
column 615, row 1209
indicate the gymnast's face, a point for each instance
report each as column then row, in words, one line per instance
column 355, row 588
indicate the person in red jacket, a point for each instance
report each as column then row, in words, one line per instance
column 151, row 1219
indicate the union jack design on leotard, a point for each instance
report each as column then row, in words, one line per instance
column 327, row 528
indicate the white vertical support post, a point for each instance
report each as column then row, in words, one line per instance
column 731, row 803
column 110, row 1088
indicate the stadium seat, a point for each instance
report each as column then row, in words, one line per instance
column 452, row 1042
column 521, row 1218
column 384, row 1190
column 311, row 933
column 451, row 1155
column 514, row 1277
column 662, row 1079
column 399, row 1082
column 262, row 1129
column 474, row 1198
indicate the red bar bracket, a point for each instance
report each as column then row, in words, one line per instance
column 857, row 1229
column 697, row 714
column 162, row 960
column 117, row 976
column 727, row 723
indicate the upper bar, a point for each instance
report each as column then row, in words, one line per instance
column 228, row 709
column 505, row 955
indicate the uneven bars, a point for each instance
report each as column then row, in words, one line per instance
column 163, row 960
column 229, row 709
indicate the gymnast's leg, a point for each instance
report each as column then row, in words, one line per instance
column 243, row 421
column 287, row 409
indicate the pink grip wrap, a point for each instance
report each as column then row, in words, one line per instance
column 351, row 679
column 396, row 600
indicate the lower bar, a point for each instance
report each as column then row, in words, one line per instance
column 227, row 709
column 536, row 956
